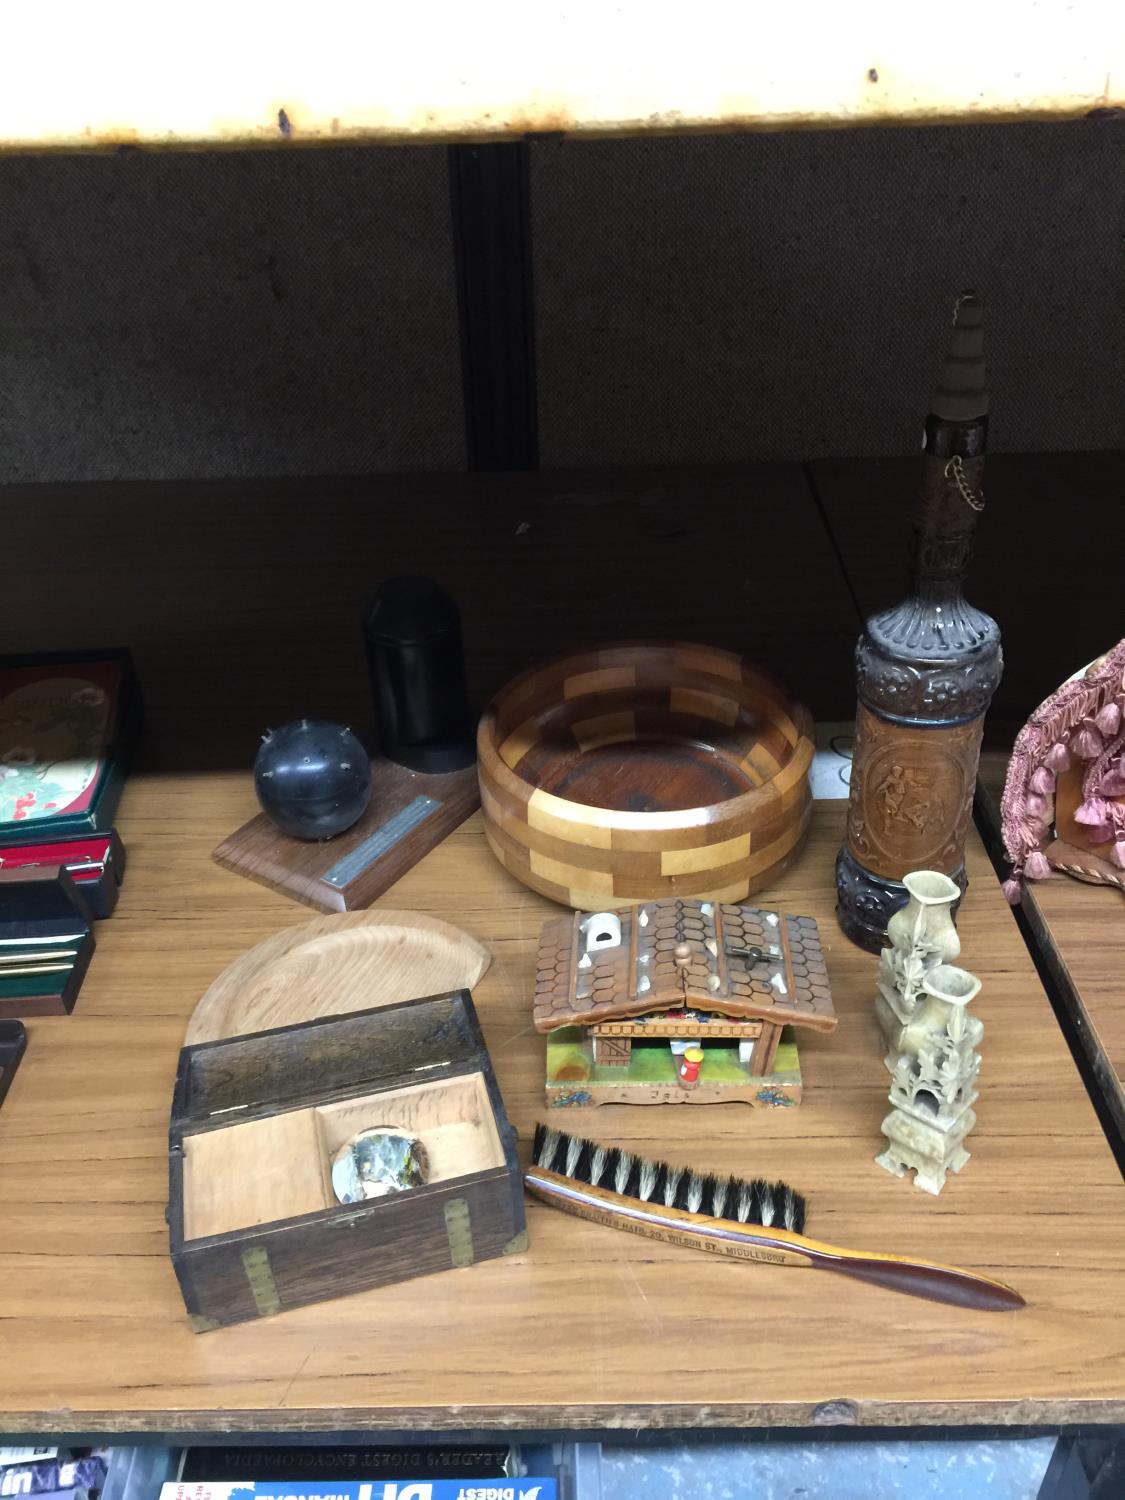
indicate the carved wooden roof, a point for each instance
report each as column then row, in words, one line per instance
column 711, row 972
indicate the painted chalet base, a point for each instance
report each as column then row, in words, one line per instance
column 574, row 1081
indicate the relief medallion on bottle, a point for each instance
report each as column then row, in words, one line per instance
column 911, row 796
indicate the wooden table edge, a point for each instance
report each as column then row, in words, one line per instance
column 1047, row 949
column 268, row 1424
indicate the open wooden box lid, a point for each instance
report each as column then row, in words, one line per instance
column 267, row 1071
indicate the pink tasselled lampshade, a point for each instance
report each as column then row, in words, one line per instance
column 1083, row 721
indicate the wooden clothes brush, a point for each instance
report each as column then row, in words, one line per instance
column 748, row 1220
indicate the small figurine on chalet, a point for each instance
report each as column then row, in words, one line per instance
column 678, row 1002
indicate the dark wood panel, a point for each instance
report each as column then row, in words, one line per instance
column 241, row 602
column 1047, row 563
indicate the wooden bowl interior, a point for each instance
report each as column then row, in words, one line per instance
column 678, row 736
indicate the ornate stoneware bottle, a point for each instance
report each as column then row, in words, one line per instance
column 926, row 671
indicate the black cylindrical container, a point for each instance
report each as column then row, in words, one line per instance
column 412, row 632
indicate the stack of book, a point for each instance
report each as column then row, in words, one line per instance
column 415, row 1472
column 46, row 941
column 95, row 862
column 51, row 1473
column 66, row 723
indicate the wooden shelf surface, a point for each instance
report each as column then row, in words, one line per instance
column 246, row 75
column 1079, row 931
column 588, row 1328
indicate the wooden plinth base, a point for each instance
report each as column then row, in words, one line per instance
column 575, row 1081
column 1085, row 865
column 762, row 1093
column 409, row 814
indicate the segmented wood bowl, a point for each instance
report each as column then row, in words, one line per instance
column 645, row 769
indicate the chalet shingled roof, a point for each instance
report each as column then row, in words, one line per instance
column 678, row 954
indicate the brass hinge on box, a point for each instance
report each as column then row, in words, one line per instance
column 256, row 1264
column 459, row 1228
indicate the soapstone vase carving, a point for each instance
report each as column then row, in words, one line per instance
column 929, row 1038
column 921, row 935
column 927, row 919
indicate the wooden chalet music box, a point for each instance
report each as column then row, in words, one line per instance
column 679, row 1002
column 255, row 1223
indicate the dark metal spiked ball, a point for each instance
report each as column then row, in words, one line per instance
column 313, row 778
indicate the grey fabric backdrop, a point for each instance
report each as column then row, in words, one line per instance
column 782, row 296
column 181, row 316
column 294, row 312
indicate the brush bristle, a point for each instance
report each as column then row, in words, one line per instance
column 746, row 1200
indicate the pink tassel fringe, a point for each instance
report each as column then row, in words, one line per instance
column 1093, row 811
column 1108, row 719
column 1072, row 720
column 1087, row 743
column 1100, row 833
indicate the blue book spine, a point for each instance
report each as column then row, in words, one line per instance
column 46, row 1478
column 381, row 1489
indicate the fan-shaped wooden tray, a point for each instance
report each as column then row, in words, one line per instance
column 333, row 965
column 643, row 770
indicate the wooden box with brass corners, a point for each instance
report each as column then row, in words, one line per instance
column 255, row 1224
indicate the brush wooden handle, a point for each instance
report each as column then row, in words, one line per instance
column 780, row 1247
